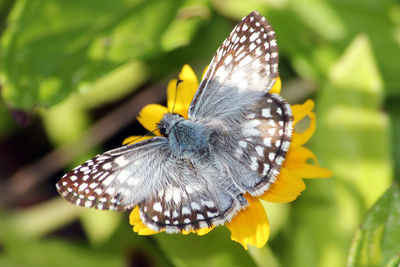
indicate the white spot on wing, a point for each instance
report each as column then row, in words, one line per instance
column 176, row 195
column 175, row 214
column 252, row 124
column 108, row 180
column 107, row 166
column 278, row 143
column 265, row 170
column 203, row 224
column 82, row 186
column 82, row 169
column 208, row 203
column 110, row 190
column 271, row 131
column 260, row 150
column 121, row 161
column 271, row 156
column 267, row 141
column 157, row 207
column 254, row 164
column 280, row 160
column 123, row 176
column 243, row 143
column 266, row 112
column 195, row 206
column 251, row 116
column 88, row 203
column 168, row 194
column 251, row 132
column 254, row 36
column 228, row 59
column 185, row 211
column 285, row 145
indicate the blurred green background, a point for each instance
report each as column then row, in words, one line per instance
column 74, row 75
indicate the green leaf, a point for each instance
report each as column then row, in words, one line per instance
column 263, row 257
column 377, row 242
column 391, row 236
column 237, row 9
column 350, row 117
column 41, row 219
column 56, row 253
column 65, row 122
column 376, row 20
column 352, row 140
column 99, row 225
column 51, row 48
column 189, row 18
column 5, row 8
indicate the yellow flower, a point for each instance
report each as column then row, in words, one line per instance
column 249, row 226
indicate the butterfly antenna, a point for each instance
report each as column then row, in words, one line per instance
column 147, row 134
column 158, row 127
column 176, row 94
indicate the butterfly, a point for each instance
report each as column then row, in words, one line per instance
column 196, row 174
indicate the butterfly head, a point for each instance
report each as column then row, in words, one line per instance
column 168, row 122
column 187, row 139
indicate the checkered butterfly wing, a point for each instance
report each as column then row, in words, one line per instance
column 169, row 193
column 247, row 61
column 118, row 179
column 234, row 94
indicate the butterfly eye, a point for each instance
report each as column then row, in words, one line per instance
column 163, row 131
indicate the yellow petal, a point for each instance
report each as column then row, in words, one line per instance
column 182, row 95
column 296, row 162
column 135, row 138
column 200, row 232
column 150, row 115
column 250, row 226
column 187, row 74
column 138, row 225
column 286, row 188
column 300, row 111
column 297, row 157
column 299, row 139
column 308, row 171
column 134, row 216
column 176, row 104
column 276, row 88
column 204, row 231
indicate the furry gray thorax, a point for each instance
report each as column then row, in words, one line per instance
column 187, row 139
